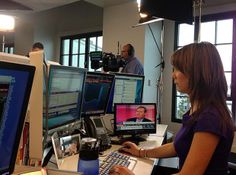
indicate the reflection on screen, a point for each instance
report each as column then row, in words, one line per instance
column 97, row 92
column 127, row 89
column 65, row 95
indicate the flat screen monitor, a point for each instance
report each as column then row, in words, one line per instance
column 65, row 95
column 128, row 88
column 15, row 87
column 133, row 119
column 97, row 91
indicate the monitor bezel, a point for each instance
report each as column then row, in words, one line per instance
column 83, row 114
column 31, row 70
column 81, row 70
column 111, row 98
column 134, row 132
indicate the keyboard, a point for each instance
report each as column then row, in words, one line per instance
column 116, row 158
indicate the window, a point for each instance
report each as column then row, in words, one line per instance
column 75, row 49
column 9, row 48
column 219, row 30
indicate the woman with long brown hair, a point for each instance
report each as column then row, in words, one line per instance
column 204, row 141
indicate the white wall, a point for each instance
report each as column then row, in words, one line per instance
column 117, row 27
column 118, row 22
column 48, row 26
column 152, row 58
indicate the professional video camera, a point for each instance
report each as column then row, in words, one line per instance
column 108, row 61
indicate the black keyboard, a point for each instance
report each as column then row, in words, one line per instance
column 116, row 158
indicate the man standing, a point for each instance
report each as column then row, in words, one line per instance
column 132, row 64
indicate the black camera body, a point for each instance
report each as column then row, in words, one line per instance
column 108, row 61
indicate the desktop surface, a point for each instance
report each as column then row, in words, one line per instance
column 70, row 163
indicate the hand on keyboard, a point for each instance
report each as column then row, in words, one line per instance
column 122, row 150
column 121, row 170
column 115, row 158
column 130, row 148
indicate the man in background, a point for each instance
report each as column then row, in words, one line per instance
column 132, row 63
column 37, row 46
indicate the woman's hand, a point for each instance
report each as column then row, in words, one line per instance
column 131, row 148
column 120, row 170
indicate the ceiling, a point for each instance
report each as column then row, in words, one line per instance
column 40, row 5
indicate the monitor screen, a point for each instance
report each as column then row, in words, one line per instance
column 132, row 119
column 128, row 88
column 15, row 87
column 65, row 94
column 97, row 91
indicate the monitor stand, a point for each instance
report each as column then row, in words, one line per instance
column 133, row 138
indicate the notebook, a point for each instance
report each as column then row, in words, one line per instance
column 15, row 87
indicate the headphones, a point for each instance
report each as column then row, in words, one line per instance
column 131, row 50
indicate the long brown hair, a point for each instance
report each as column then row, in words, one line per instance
column 201, row 62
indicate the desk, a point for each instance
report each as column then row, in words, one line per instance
column 153, row 140
column 70, row 163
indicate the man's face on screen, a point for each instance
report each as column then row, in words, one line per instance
column 140, row 113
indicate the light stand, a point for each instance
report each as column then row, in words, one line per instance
column 197, row 4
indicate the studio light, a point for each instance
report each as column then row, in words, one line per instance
column 7, row 24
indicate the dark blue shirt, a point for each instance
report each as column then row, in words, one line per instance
column 208, row 121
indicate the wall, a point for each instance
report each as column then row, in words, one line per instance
column 48, row 26
column 118, row 26
column 152, row 58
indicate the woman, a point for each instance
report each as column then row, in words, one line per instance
column 204, row 141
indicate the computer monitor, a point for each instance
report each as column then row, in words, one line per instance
column 97, row 92
column 65, row 95
column 128, row 88
column 134, row 119
column 15, row 87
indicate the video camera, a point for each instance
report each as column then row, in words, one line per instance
column 108, row 61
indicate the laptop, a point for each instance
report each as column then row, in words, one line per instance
column 65, row 147
column 15, row 87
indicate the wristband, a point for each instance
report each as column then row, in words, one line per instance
column 139, row 152
column 145, row 154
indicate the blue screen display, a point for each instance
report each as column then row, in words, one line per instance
column 15, row 86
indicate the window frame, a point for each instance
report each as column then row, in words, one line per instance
column 208, row 18
column 87, row 36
